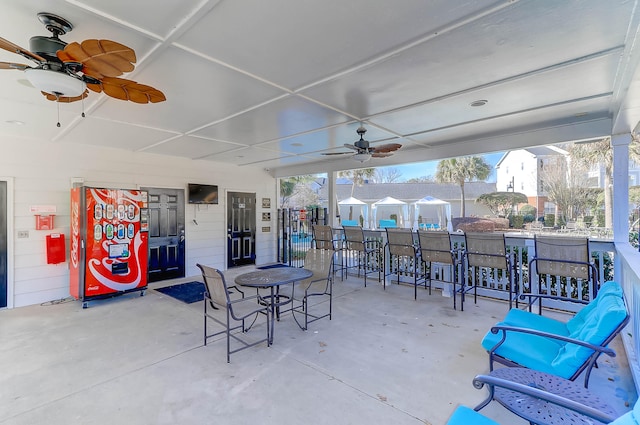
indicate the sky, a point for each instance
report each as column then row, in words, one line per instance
column 421, row 169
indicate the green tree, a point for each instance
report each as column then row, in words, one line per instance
column 357, row 177
column 293, row 186
column 460, row 171
column 501, row 203
column 592, row 154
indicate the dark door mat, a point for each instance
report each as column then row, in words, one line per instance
column 189, row 292
column 272, row 266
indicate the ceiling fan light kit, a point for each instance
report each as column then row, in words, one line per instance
column 66, row 72
column 54, row 82
column 362, row 156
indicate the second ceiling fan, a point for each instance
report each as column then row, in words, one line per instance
column 364, row 152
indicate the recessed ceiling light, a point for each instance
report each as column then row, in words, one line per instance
column 480, row 102
column 15, row 122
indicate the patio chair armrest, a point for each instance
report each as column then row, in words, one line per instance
column 235, row 287
column 491, row 381
column 505, row 329
column 249, row 298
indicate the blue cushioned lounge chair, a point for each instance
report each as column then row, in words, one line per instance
column 562, row 349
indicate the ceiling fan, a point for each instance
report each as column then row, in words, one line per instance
column 364, row 152
column 64, row 71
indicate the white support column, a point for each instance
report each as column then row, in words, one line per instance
column 332, row 199
column 620, row 144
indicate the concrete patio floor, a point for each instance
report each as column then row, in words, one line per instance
column 383, row 359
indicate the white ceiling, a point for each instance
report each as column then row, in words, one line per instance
column 275, row 84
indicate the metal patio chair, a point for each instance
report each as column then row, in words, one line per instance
column 486, row 258
column 318, row 287
column 562, row 408
column 240, row 310
column 325, row 238
column 404, row 256
column 566, row 349
column 367, row 254
column 435, row 246
column 562, row 259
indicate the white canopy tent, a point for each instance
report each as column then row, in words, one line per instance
column 432, row 213
column 353, row 212
column 388, row 209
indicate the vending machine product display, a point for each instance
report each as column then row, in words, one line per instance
column 109, row 242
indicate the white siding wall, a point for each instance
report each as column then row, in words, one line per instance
column 521, row 166
column 42, row 173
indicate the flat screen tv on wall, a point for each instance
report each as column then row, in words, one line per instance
column 203, row 193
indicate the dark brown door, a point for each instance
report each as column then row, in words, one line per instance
column 3, row 244
column 166, row 234
column 241, row 228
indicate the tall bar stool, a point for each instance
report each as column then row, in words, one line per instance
column 486, row 255
column 559, row 257
column 404, row 256
column 367, row 254
column 325, row 238
column 435, row 247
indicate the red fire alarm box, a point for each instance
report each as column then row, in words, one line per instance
column 55, row 248
column 44, row 222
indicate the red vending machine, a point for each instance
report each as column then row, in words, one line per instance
column 109, row 242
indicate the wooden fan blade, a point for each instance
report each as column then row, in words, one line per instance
column 389, row 147
column 65, row 99
column 355, row 148
column 14, row 48
column 123, row 89
column 106, row 57
column 381, row 154
column 94, row 87
column 12, row 65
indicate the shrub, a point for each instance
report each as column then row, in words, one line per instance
column 528, row 210
column 516, row 221
column 549, row 220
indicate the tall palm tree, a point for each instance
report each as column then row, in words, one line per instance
column 357, row 177
column 460, row 171
column 600, row 153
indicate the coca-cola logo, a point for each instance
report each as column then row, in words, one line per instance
column 75, row 234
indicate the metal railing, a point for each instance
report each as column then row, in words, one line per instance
column 494, row 284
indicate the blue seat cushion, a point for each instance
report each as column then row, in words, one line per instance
column 525, row 319
column 349, row 222
column 466, row 416
column 387, row 223
column 606, row 289
column 599, row 325
column 530, row 351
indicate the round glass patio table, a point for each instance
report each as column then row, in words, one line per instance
column 272, row 279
